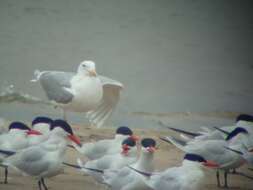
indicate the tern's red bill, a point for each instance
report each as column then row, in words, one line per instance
column 75, row 139
column 125, row 149
column 33, row 132
column 135, row 138
column 211, row 164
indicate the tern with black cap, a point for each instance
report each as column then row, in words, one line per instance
column 42, row 124
column 15, row 139
column 128, row 179
column 104, row 147
column 188, row 176
column 128, row 155
column 215, row 150
column 45, row 159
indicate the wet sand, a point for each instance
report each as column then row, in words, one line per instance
column 166, row 156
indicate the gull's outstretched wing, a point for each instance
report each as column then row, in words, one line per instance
column 111, row 96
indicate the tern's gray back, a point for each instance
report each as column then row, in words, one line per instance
column 54, row 84
column 30, row 161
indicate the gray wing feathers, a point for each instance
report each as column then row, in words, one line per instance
column 54, row 84
column 177, row 142
column 111, row 95
column 29, row 161
column 106, row 80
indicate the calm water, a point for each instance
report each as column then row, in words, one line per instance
column 172, row 56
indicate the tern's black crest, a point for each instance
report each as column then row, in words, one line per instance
column 123, row 130
column 129, row 141
column 194, row 157
column 42, row 119
column 63, row 124
column 148, row 142
column 244, row 117
column 235, row 132
column 18, row 125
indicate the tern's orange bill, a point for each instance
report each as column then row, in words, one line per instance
column 125, row 149
column 75, row 139
column 211, row 164
column 33, row 132
column 135, row 138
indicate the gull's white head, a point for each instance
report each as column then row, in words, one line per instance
column 87, row 67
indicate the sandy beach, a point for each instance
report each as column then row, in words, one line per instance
column 166, row 156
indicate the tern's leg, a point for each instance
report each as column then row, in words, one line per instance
column 43, row 183
column 6, row 175
column 218, row 178
column 39, row 184
column 226, row 179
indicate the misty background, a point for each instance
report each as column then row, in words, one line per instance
column 173, row 56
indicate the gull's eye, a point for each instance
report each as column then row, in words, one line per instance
column 83, row 65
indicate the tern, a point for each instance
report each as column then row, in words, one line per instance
column 41, row 124
column 242, row 120
column 84, row 91
column 15, row 139
column 125, row 178
column 127, row 156
column 188, row 176
column 45, row 159
column 215, row 150
column 101, row 148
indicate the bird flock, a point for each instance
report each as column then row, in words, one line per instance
column 126, row 161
